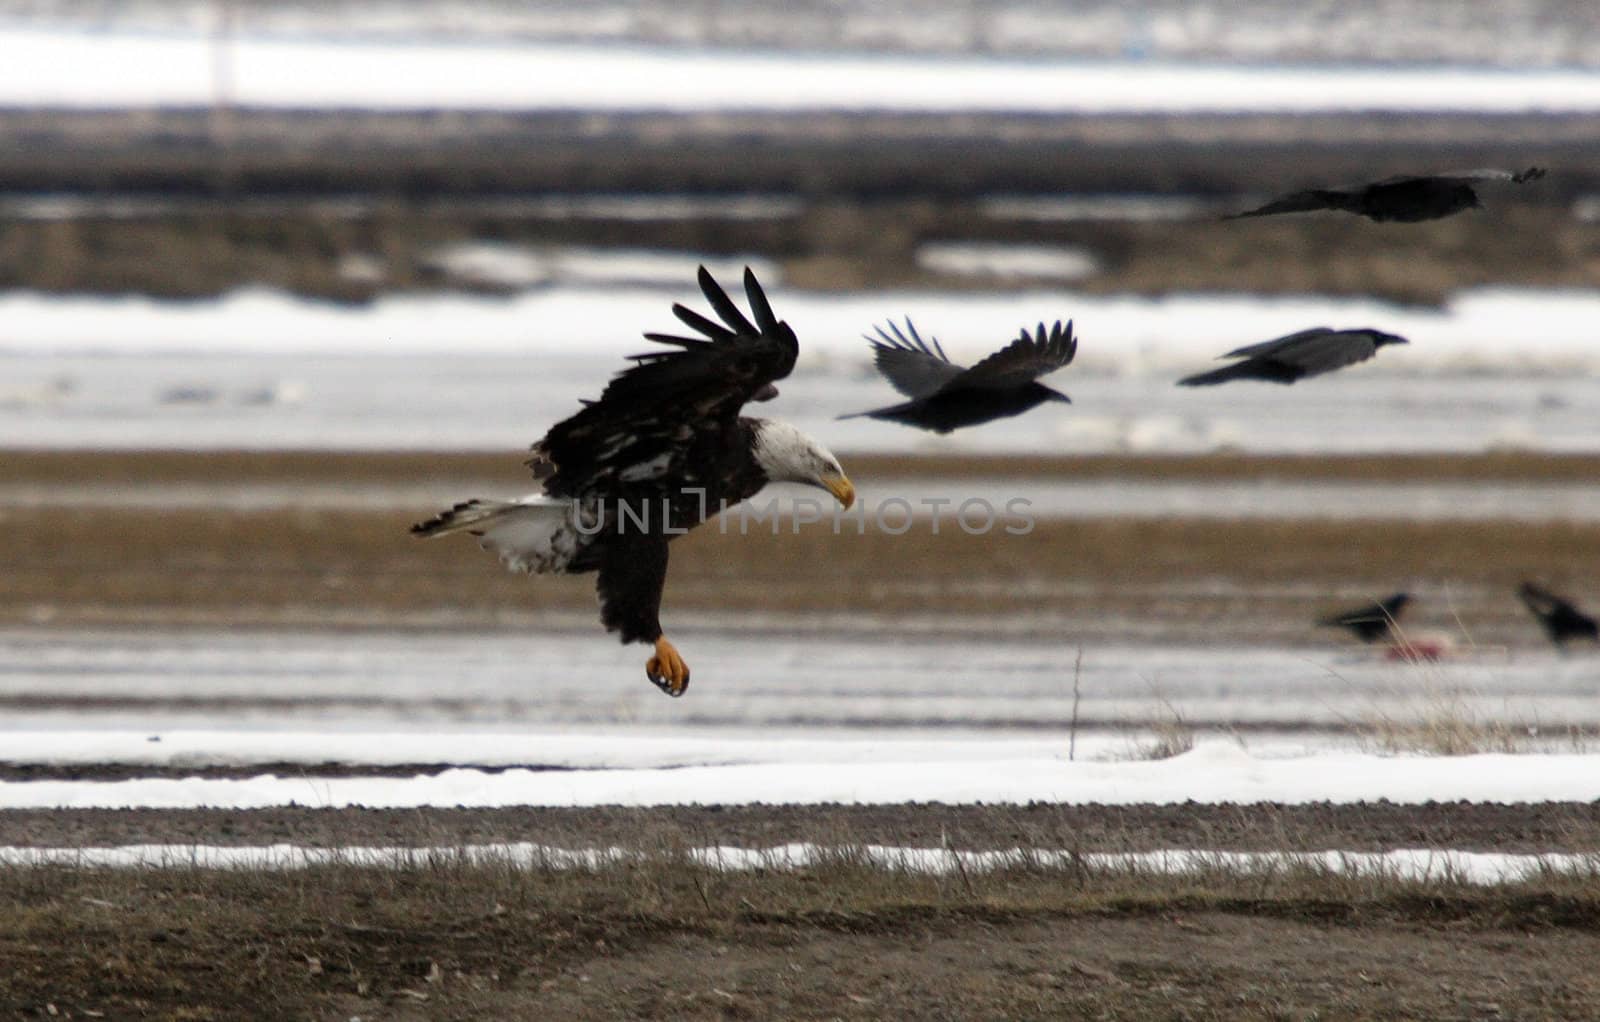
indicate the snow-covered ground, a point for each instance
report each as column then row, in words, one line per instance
column 1493, row 369
column 333, row 718
column 1218, row 772
column 1504, row 33
column 54, row 67
column 1482, row 330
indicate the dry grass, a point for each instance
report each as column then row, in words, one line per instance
column 1447, row 728
column 1443, row 722
column 1169, row 737
column 1572, row 827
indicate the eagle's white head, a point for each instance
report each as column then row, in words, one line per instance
column 787, row 455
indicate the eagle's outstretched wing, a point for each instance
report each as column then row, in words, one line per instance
column 1022, row 361
column 652, row 414
column 909, row 364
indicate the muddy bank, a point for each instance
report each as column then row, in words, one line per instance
column 1484, row 827
column 1247, row 582
column 154, row 204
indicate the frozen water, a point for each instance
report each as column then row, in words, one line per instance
column 798, row 676
column 456, row 371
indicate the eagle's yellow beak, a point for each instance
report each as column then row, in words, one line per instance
column 841, row 489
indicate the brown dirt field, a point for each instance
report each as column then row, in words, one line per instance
column 666, row 939
column 869, row 196
column 838, row 246
column 426, row 158
column 97, row 468
column 1169, row 579
column 440, row 939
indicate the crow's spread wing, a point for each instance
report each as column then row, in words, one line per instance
column 909, row 363
column 1022, row 361
column 1319, row 350
column 1277, row 343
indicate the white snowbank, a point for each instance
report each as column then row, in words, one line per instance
column 1401, row 864
column 1122, row 334
column 1214, row 773
column 45, row 68
column 177, row 750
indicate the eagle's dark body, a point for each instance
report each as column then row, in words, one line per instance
column 1408, row 198
column 1299, row 355
column 632, row 521
column 1372, row 622
column 663, row 450
column 945, row 396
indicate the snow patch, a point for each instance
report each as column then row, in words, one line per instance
column 1208, row 775
column 61, row 68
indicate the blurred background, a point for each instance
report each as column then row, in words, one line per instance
column 278, row 278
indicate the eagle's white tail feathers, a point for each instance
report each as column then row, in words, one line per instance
column 463, row 516
column 535, row 534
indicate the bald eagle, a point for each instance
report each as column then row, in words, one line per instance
column 663, row 450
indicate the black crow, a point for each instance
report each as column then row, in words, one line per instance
column 1372, row 622
column 1559, row 618
column 1307, row 353
column 1408, row 198
column 946, row 396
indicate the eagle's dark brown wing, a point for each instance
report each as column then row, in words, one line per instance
column 671, row 402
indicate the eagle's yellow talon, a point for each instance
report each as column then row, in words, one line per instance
column 666, row 670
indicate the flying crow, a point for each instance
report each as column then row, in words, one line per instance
column 1372, row 622
column 1559, row 618
column 1408, row 198
column 1307, row 353
column 946, row 396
